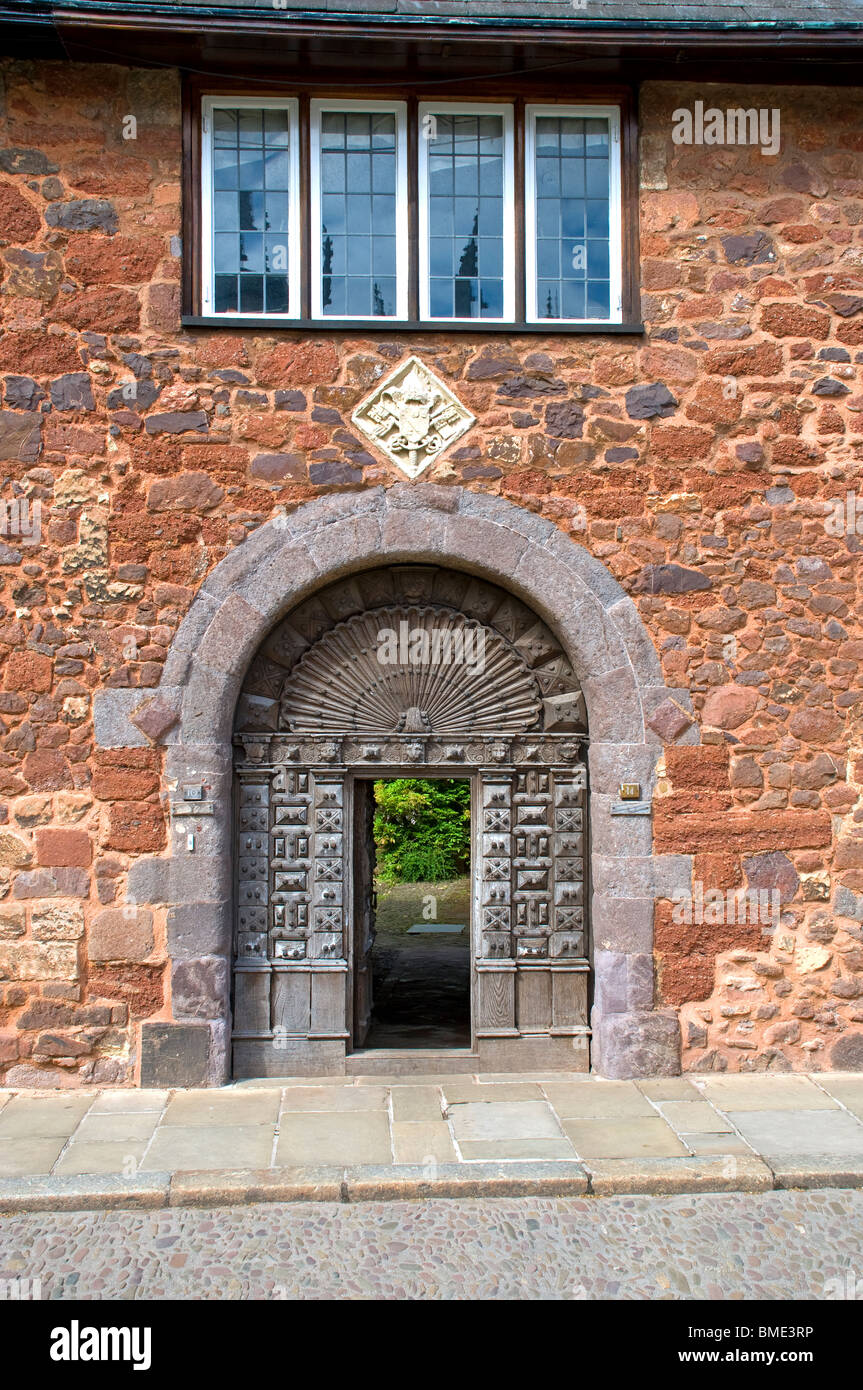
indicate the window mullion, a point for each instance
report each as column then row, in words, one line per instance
column 519, row 211
column 303, row 222
column 413, row 210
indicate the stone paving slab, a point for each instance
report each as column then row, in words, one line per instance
column 208, row 1146
column 208, row 1108
column 30, row 1117
column 359, row 1138
column 639, row 1137
column 515, row 1119
column 513, row 1149
column 128, row 1102
column 411, row 1103
column 19, row 1156
column 792, row 1134
column 80, row 1158
column 115, row 1127
column 661, row 1088
column 605, row 1100
column 773, row 1092
column 422, row 1141
column 692, row 1117
column 328, row 1102
column 847, row 1089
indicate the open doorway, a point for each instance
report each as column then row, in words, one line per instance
column 412, row 902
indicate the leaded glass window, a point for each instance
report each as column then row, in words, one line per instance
column 360, row 212
column 466, row 213
column 573, row 212
column 252, row 196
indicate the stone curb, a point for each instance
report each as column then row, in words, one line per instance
column 89, row 1192
column 712, row 1173
column 606, row 1177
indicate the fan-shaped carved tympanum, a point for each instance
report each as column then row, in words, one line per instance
column 411, row 650
column 410, row 670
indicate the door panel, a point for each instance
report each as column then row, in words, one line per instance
column 364, row 907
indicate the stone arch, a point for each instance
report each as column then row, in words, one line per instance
column 285, row 561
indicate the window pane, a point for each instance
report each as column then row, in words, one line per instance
column 358, row 213
column 277, row 294
column 226, row 294
column 225, row 127
column 571, row 166
column 276, row 129
column 226, row 252
column 251, row 196
column 227, row 211
column 465, row 214
column 251, row 294
column 440, row 298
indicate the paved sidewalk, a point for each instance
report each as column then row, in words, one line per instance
column 364, row 1138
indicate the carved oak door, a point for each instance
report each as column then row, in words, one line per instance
column 364, row 902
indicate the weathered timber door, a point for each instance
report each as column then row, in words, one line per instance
column 364, row 909
column 492, row 698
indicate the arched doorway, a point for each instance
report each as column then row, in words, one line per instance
column 408, row 670
column 288, row 560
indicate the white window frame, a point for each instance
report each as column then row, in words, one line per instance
column 615, row 222
column 469, row 108
column 398, row 109
column 208, row 273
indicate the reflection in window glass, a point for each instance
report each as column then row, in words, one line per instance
column 251, row 197
column 465, row 216
column 358, row 214
column 572, row 218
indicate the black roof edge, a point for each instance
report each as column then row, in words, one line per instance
column 40, row 14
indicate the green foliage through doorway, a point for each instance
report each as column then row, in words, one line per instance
column 422, row 829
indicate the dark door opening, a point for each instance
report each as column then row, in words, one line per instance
column 412, row 958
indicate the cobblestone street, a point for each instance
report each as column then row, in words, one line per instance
column 739, row 1246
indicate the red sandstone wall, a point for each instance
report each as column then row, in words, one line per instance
column 706, row 498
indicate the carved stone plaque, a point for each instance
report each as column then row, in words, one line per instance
column 412, row 417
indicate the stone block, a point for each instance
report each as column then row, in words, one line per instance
column 176, row 881
column 491, row 549
column 112, row 711
column 200, row 988
column 31, row 960
column 232, row 637
column 639, row 646
column 615, row 835
column 623, row 924
column 52, row 883
column 121, row 934
column 62, row 922
column 199, row 929
column 338, row 547
column 639, row 1044
column 174, row 1054
column 613, row 763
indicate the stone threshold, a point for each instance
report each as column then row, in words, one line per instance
column 589, row 1178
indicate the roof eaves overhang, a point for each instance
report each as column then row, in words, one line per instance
column 110, row 30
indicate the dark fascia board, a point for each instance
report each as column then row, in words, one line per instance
column 575, row 27
column 112, row 14
column 202, row 37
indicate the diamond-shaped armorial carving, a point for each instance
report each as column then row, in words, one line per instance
column 412, row 417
